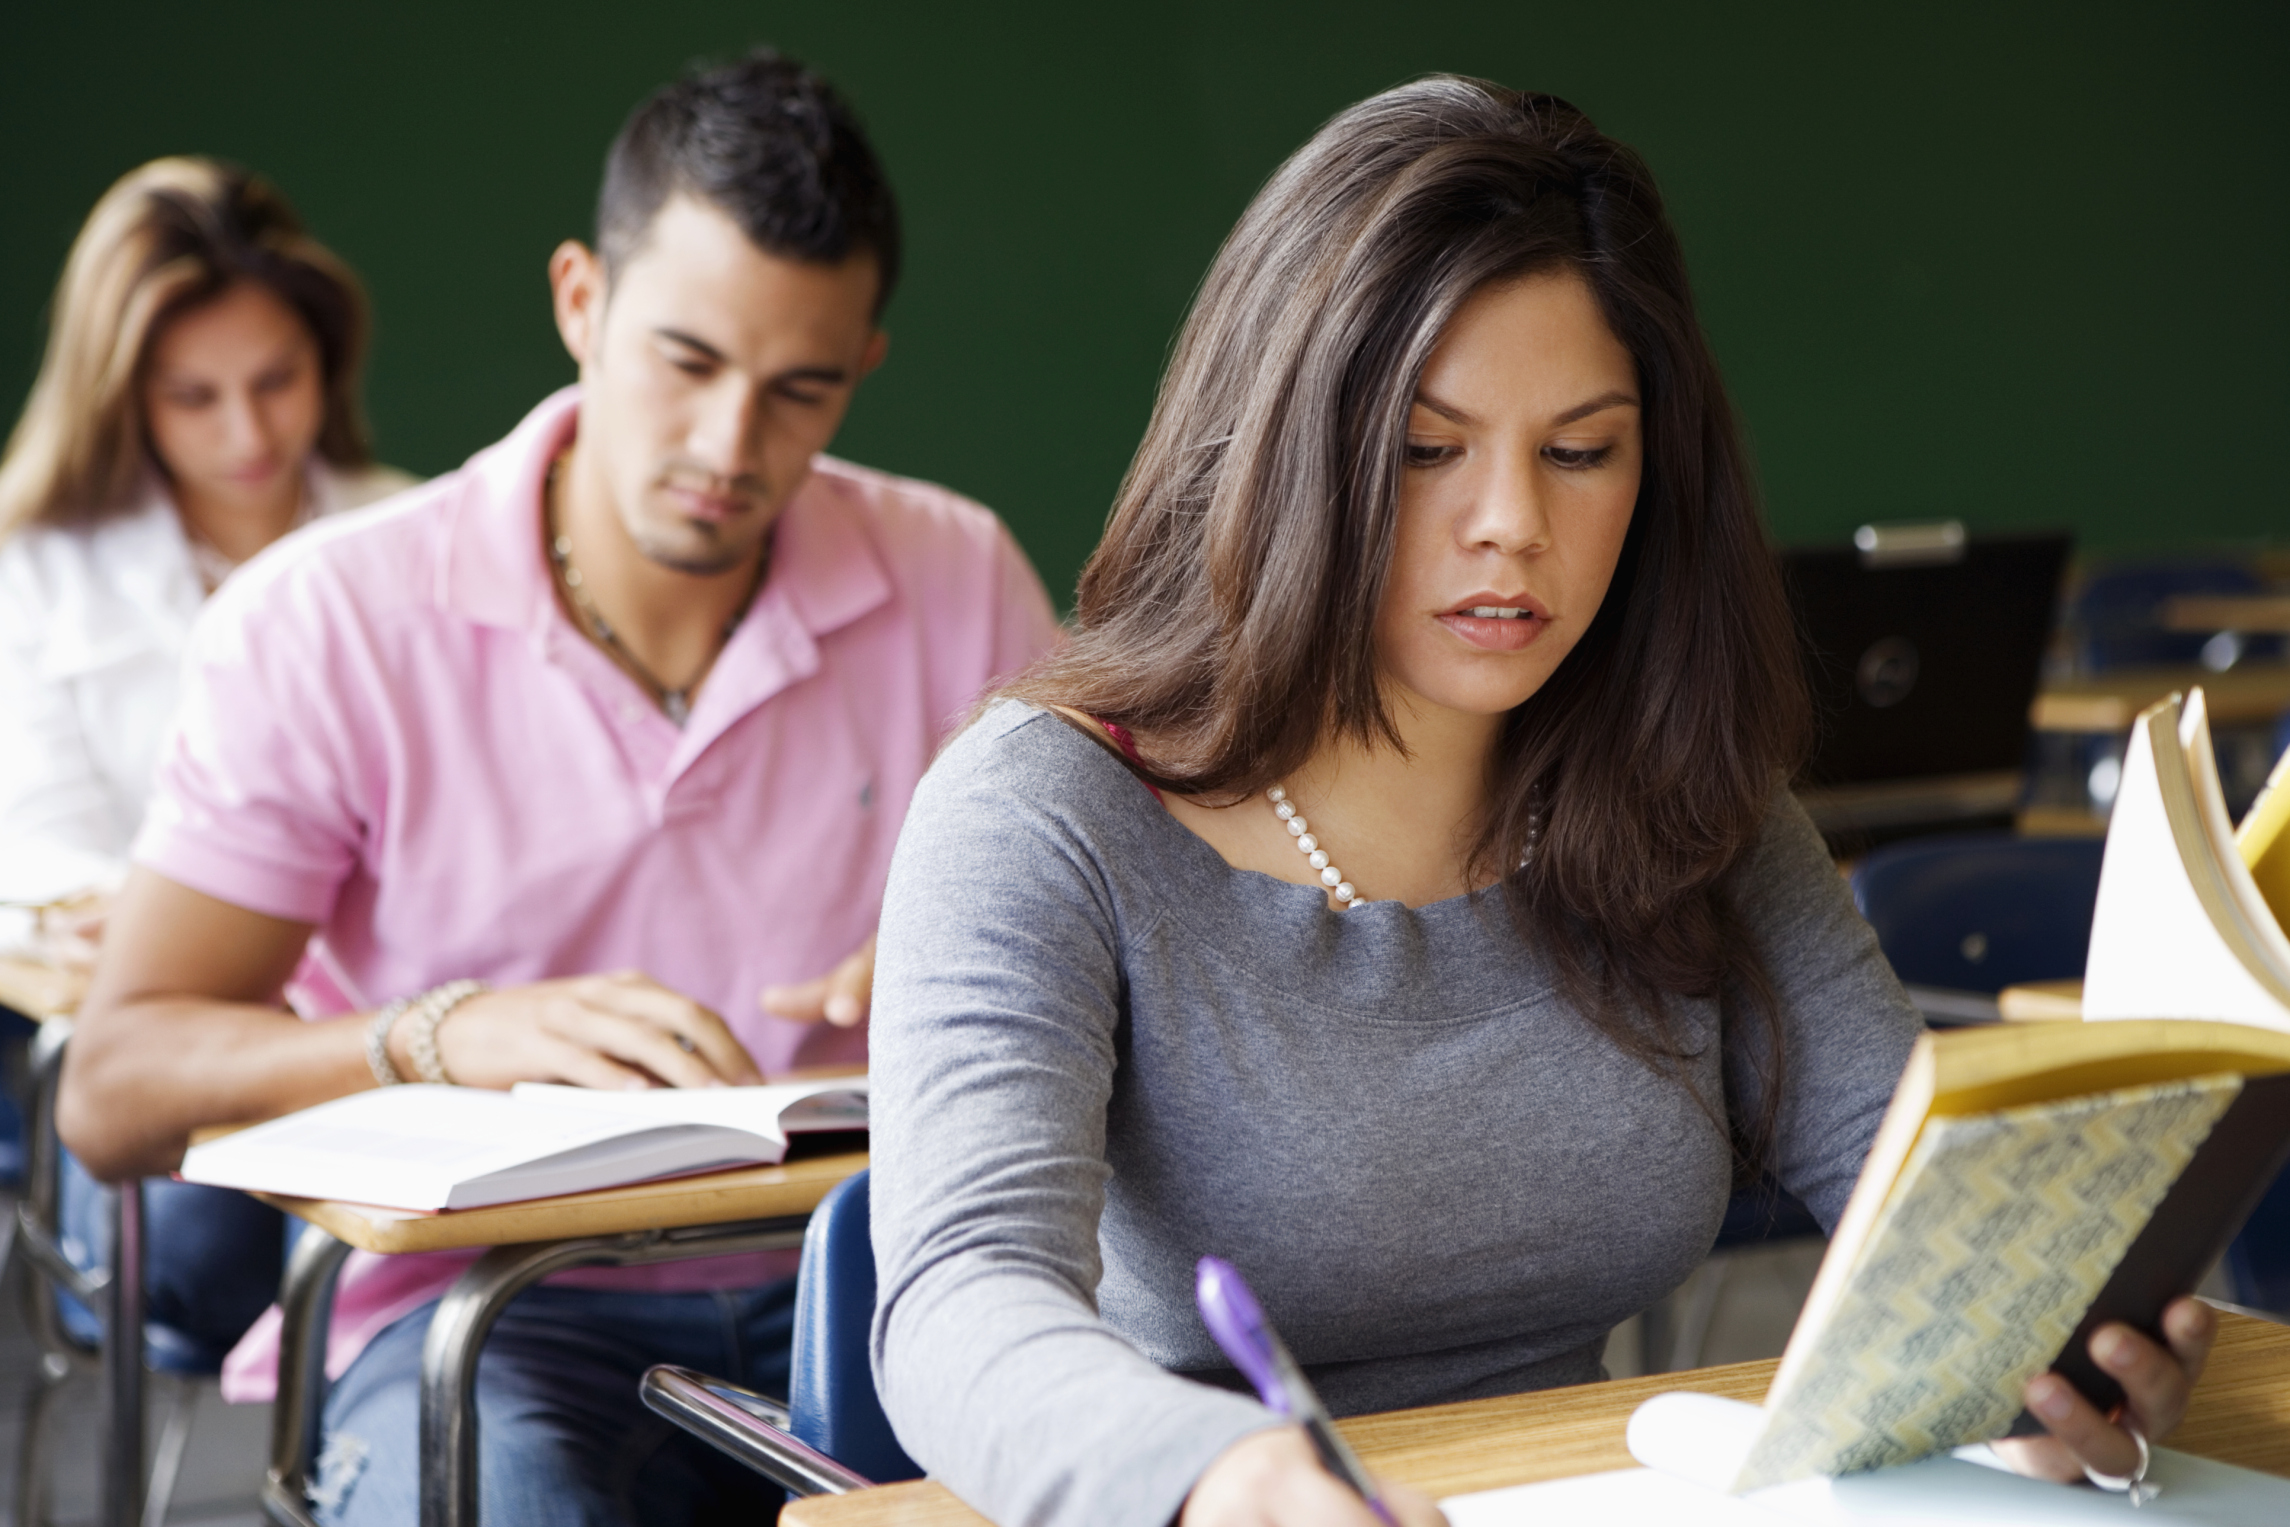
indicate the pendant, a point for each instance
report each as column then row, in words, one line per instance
column 677, row 705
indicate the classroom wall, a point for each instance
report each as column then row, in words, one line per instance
column 2020, row 264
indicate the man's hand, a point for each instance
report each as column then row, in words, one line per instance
column 181, row 1028
column 622, row 1031
column 840, row 997
column 2156, row 1382
column 1275, row 1479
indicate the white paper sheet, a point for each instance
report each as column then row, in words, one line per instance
column 1701, row 1437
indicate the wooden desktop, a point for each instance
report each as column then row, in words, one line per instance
column 2240, row 1415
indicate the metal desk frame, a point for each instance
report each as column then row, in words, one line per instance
column 457, row 1334
column 114, row 1293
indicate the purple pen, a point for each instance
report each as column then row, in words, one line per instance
column 1237, row 1322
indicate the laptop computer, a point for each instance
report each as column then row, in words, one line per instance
column 1923, row 647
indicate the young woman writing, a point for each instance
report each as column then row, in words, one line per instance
column 1393, row 887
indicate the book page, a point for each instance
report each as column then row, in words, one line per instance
column 2264, row 840
column 1960, row 1491
column 1993, row 1240
column 2158, row 949
column 406, row 1147
column 772, row 1111
column 2256, row 926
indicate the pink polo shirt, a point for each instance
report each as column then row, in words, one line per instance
column 390, row 730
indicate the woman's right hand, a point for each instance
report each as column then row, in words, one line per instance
column 1276, row 1479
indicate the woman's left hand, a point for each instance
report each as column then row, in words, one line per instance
column 2156, row 1382
column 68, row 932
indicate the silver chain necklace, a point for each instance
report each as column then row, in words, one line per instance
column 675, row 704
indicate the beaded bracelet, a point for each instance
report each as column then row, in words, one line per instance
column 430, row 1010
column 378, row 1042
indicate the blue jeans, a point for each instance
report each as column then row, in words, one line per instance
column 211, row 1265
column 562, row 1438
column 16, row 1031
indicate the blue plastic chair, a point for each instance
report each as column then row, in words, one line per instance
column 1977, row 912
column 832, row 1436
column 2118, row 621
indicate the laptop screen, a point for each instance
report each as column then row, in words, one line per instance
column 1924, row 667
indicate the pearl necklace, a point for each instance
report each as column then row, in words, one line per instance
column 1347, row 896
column 1309, row 846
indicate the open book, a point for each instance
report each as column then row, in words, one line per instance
column 2182, row 929
column 423, row 1148
column 2030, row 1182
column 2264, row 840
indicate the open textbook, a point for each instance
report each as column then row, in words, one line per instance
column 1692, row 1444
column 2031, row 1181
column 428, row 1148
column 2182, row 928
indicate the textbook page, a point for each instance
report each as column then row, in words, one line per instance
column 424, row 1147
column 775, row 1110
column 2263, row 840
column 2259, row 929
column 2157, row 947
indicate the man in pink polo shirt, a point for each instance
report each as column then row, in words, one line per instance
column 619, row 720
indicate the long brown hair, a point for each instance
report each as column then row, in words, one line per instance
column 167, row 237
column 1227, row 617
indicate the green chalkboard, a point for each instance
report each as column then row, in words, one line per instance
column 2019, row 264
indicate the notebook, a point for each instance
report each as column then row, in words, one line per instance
column 437, row 1148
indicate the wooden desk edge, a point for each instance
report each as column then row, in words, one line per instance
column 764, row 1192
column 40, row 992
column 2042, row 1002
column 2240, row 1415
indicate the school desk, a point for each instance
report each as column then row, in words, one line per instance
column 2240, row 1414
column 2227, row 612
column 2042, row 1001
column 2111, row 702
column 722, row 1213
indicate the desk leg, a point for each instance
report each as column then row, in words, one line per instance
column 121, row 1502
column 449, row 1370
column 468, row 1310
column 306, row 1303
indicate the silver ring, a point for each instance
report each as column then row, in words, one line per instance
column 2133, row 1484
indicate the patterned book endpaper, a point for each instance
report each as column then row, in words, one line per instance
column 1995, row 1239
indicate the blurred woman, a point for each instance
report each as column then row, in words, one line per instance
column 198, row 400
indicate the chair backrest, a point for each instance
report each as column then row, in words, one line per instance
column 2118, row 616
column 1981, row 911
column 832, row 1386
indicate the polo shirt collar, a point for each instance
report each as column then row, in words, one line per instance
column 493, row 572
column 825, row 571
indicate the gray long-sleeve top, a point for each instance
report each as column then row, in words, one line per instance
column 1099, row 1052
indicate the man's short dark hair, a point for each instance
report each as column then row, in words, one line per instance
column 771, row 145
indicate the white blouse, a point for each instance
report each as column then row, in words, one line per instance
column 93, row 619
